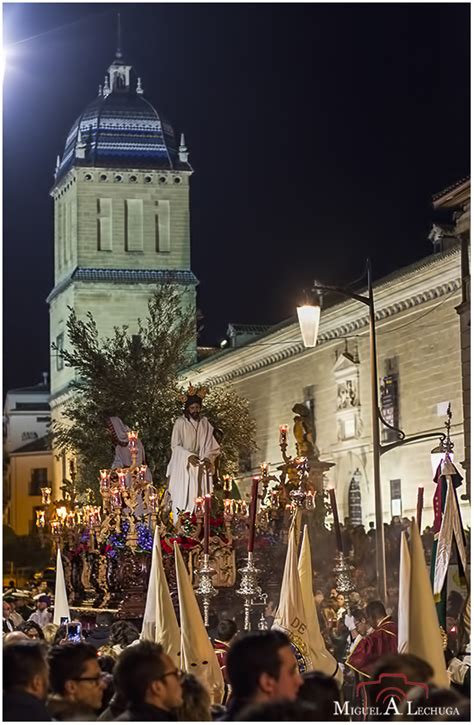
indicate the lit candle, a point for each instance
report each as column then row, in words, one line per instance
column 283, row 434
column 152, row 500
column 132, row 439
column 70, row 520
column 199, row 510
column 337, row 526
column 264, row 468
column 40, row 518
column 122, row 484
column 419, row 506
column 104, row 481
column 253, row 513
column 142, row 473
column 227, row 485
column 46, row 496
column 228, row 508
column 207, row 521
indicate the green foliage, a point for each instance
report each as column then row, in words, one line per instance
column 136, row 377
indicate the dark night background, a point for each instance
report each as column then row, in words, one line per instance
column 318, row 134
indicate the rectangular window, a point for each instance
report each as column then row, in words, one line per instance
column 67, row 249
column 396, row 497
column 104, row 225
column 134, row 225
column 60, row 346
column 43, row 419
column 39, row 479
column 162, row 227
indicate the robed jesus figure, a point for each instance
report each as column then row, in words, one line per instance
column 194, row 450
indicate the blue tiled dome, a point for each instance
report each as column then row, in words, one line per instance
column 120, row 128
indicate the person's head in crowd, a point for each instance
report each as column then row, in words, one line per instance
column 43, row 587
column 34, row 591
column 15, row 637
column 43, row 602
column 75, row 674
column 25, row 668
column 361, row 623
column 415, row 669
column 341, row 601
column 417, row 703
column 32, row 630
column 333, row 593
column 226, row 630
column 354, row 599
column 279, row 711
column 7, row 610
column 107, row 663
column 49, row 632
column 11, row 601
column 375, row 611
column 196, row 705
column 322, row 693
column 145, row 675
column 123, row 634
column 318, row 597
column 261, row 667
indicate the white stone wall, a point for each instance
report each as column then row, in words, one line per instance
column 418, row 326
column 77, row 219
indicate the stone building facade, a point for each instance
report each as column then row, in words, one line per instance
column 419, row 364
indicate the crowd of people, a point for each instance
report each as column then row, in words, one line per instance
column 108, row 673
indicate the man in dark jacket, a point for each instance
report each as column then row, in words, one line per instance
column 25, row 682
column 77, row 682
column 149, row 681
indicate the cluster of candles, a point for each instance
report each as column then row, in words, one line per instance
column 66, row 518
column 111, row 491
column 231, row 506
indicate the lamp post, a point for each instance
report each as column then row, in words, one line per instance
column 308, row 317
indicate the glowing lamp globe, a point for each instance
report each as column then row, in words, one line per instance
column 308, row 317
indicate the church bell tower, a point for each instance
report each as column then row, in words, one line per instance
column 121, row 218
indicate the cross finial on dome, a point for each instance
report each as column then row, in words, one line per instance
column 139, row 87
column 118, row 52
column 58, row 164
column 183, row 150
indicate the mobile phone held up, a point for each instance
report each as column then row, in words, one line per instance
column 63, row 620
column 74, row 631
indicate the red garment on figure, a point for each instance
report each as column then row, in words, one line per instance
column 382, row 641
column 221, row 649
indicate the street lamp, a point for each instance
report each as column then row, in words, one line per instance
column 309, row 324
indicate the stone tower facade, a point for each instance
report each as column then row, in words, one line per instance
column 121, row 219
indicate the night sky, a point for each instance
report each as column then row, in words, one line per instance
column 318, row 135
